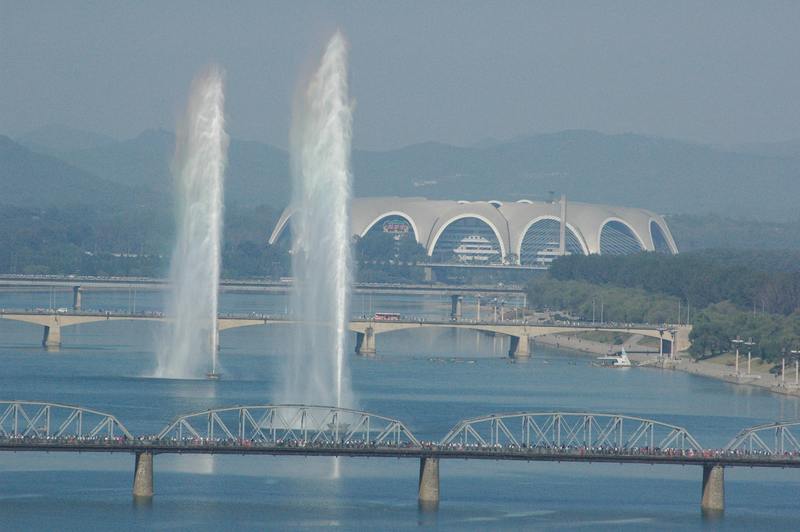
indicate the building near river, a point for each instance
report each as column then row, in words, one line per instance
column 522, row 232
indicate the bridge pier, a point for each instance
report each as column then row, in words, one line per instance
column 519, row 347
column 76, row 298
column 713, row 499
column 51, row 339
column 143, row 475
column 429, row 482
column 365, row 342
column 456, row 304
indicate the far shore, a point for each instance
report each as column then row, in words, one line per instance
column 722, row 367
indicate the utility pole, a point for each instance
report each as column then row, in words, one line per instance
column 737, row 342
column 795, row 353
column 562, row 236
column 783, row 372
column 750, row 343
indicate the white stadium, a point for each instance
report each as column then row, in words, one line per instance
column 523, row 232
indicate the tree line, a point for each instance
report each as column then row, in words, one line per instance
column 768, row 281
column 732, row 296
column 91, row 240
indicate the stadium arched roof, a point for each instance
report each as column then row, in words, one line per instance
column 509, row 220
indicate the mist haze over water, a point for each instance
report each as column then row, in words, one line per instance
column 188, row 348
column 317, row 373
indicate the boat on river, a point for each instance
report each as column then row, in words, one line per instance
column 615, row 360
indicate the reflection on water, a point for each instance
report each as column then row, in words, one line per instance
column 429, row 379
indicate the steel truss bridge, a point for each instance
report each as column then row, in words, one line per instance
column 304, row 430
column 770, row 439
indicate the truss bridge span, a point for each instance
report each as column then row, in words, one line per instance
column 308, row 430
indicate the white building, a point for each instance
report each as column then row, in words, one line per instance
column 513, row 232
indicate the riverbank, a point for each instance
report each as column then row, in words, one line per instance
column 722, row 367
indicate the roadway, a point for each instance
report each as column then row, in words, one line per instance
column 365, row 328
column 285, row 318
column 308, row 430
column 8, row 281
column 705, row 458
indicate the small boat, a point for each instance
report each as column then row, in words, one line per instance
column 615, row 360
column 211, row 375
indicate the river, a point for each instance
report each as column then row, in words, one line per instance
column 429, row 379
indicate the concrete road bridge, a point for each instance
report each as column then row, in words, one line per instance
column 81, row 284
column 305, row 430
column 676, row 337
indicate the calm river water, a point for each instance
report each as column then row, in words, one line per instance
column 429, row 379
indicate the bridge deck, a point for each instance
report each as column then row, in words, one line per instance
column 100, row 283
column 12, row 314
column 727, row 460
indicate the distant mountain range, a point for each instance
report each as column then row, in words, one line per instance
column 57, row 139
column 256, row 174
column 669, row 176
column 788, row 148
column 33, row 179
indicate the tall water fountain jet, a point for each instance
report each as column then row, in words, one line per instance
column 316, row 372
column 189, row 348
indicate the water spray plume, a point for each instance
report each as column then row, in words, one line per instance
column 189, row 348
column 316, row 372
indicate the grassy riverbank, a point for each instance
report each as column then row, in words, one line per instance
column 721, row 367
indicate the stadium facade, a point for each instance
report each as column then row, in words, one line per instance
column 523, row 232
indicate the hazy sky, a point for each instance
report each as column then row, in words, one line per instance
column 458, row 72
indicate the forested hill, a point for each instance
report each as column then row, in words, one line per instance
column 33, row 179
column 256, row 173
column 664, row 175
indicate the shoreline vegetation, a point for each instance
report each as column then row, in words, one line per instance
column 720, row 367
column 728, row 297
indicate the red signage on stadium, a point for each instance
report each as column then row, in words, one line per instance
column 395, row 227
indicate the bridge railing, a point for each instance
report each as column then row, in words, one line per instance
column 289, row 424
column 770, row 438
column 33, row 419
column 557, row 429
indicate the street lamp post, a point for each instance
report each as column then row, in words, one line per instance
column 737, row 342
column 673, row 344
column 795, row 353
column 750, row 343
column 783, row 372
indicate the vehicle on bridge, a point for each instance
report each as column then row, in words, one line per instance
column 306, row 430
